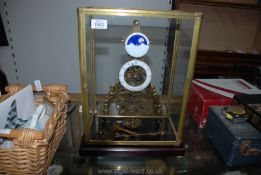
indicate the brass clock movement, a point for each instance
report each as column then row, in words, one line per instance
column 133, row 96
column 139, row 96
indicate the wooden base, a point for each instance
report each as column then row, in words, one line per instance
column 105, row 150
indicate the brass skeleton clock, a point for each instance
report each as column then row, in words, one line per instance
column 136, row 72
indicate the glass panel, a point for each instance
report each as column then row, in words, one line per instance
column 183, row 57
column 136, row 73
column 119, row 104
column 90, row 84
column 110, row 53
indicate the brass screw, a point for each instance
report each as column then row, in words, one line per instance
column 100, row 132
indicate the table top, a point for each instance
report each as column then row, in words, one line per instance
column 200, row 156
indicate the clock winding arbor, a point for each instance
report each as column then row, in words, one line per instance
column 135, row 115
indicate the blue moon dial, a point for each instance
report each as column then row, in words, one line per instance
column 137, row 44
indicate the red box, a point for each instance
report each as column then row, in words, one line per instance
column 207, row 92
column 199, row 102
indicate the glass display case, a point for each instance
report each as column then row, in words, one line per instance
column 136, row 69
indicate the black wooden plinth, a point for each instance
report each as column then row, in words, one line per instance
column 103, row 150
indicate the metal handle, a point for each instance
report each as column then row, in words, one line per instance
column 245, row 149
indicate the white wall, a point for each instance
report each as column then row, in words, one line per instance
column 45, row 38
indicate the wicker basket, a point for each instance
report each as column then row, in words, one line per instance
column 33, row 150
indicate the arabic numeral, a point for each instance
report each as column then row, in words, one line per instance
column 99, row 24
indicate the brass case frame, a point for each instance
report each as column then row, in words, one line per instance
column 178, row 15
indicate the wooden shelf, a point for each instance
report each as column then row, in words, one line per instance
column 227, row 58
column 216, row 63
column 224, row 3
column 206, row 71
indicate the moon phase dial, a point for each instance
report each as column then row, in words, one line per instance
column 137, row 44
column 135, row 75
